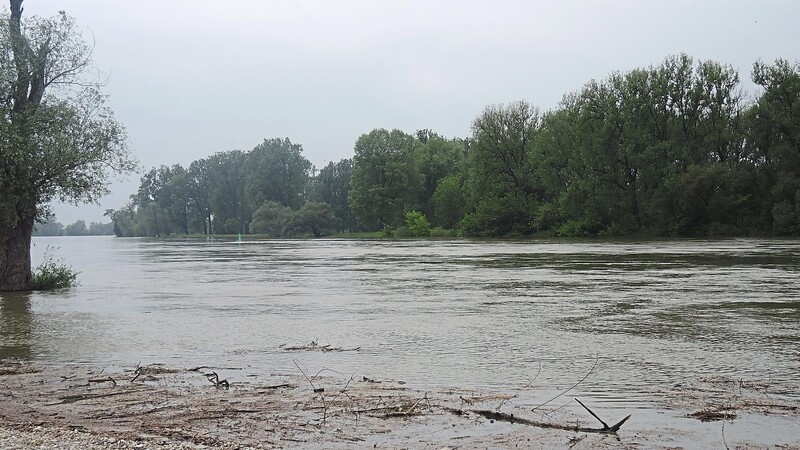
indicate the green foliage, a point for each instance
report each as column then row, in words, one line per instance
column 52, row 274
column 48, row 228
column 59, row 140
column 500, row 216
column 785, row 219
column 417, row 224
column 672, row 149
column 271, row 219
column 385, row 180
column 448, row 202
column 402, row 232
column 276, row 171
column 388, row 231
column 315, row 218
column 579, row 228
column 439, row 232
column 332, row 186
column 76, row 229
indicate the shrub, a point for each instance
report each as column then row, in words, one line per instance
column 440, row 232
column 402, row 232
column 52, row 274
column 417, row 224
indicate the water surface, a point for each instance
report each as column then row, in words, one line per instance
column 432, row 313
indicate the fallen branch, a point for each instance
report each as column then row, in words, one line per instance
column 314, row 347
column 82, row 397
column 102, row 380
column 214, row 379
column 606, row 428
column 510, row 418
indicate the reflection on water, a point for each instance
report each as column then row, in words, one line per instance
column 470, row 313
column 15, row 326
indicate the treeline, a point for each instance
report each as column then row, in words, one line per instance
column 53, row 228
column 673, row 149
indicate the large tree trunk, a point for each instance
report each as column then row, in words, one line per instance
column 15, row 255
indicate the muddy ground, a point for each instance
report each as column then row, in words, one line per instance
column 163, row 405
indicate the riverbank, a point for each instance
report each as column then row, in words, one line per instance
column 159, row 407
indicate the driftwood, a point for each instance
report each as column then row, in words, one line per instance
column 103, row 380
column 214, row 379
column 315, row 347
column 82, row 397
column 503, row 417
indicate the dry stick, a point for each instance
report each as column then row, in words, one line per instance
column 316, row 391
column 611, row 429
column 724, row 442
column 102, row 380
column 521, row 389
column 573, row 386
column 343, row 389
column 495, row 415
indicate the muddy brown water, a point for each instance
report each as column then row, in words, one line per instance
column 640, row 318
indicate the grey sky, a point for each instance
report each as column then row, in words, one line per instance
column 189, row 78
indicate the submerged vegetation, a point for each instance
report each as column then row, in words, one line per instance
column 676, row 149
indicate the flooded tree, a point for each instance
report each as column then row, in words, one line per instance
column 58, row 140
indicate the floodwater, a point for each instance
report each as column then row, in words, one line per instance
column 637, row 317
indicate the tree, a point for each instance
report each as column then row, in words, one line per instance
column 225, row 173
column 76, row 229
column 502, row 184
column 437, row 158
column 775, row 142
column 57, row 138
column 271, row 218
column 316, row 218
column 49, row 228
column 277, row 171
column 332, row 186
column 448, row 202
column 385, row 180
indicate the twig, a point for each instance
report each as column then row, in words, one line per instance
column 724, row 442
column 573, row 386
column 316, row 391
column 611, row 429
column 102, row 380
column 521, row 389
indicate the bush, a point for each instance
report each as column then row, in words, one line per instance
column 52, row 274
column 579, row 228
column 402, row 232
column 417, row 224
column 440, row 232
column 387, row 231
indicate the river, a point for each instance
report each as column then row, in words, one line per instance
column 635, row 316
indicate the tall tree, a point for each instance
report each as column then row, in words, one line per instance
column 775, row 142
column 277, row 171
column 57, row 138
column 385, row 181
column 332, row 186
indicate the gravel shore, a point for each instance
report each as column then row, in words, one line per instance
column 41, row 438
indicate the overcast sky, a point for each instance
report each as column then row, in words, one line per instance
column 189, row 78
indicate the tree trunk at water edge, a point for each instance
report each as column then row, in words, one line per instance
column 15, row 255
